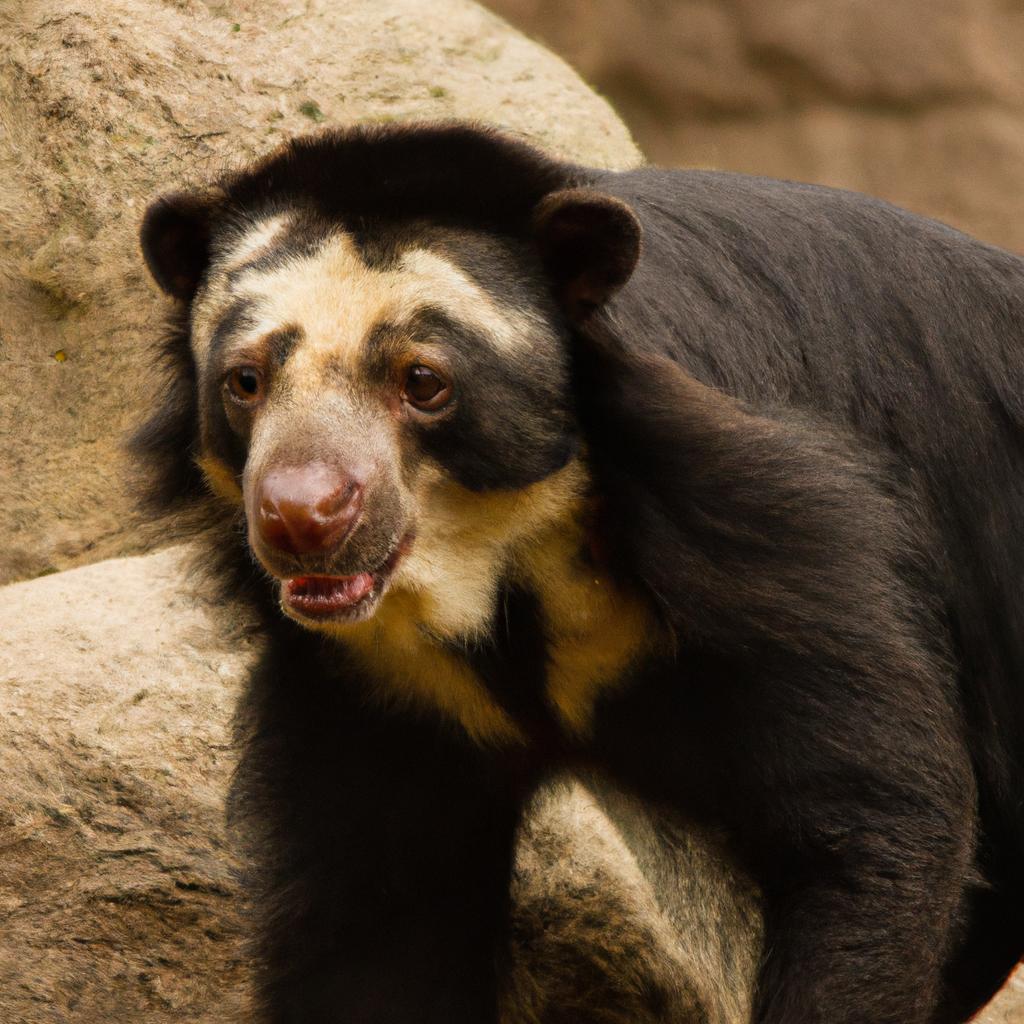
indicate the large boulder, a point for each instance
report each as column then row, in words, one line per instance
column 119, row 890
column 918, row 101
column 103, row 106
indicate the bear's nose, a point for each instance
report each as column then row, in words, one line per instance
column 309, row 509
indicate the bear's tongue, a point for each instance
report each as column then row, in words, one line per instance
column 322, row 595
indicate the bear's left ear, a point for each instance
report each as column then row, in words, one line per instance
column 590, row 244
column 175, row 237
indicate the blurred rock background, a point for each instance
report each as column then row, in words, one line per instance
column 918, row 101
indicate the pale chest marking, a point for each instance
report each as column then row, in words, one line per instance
column 594, row 630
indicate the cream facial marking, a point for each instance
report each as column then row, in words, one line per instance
column 465, row 544
column 215, row 295
column 258, row 238
column 595, row 631
column 444, row 593
column 337, row 299
column 220, row 479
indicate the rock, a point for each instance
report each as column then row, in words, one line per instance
column 918, row 101
column 102, row 107
column 118, row 887
column 119, row 891
column 1008, row 1006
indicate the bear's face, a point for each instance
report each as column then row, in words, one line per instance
column 390, row 410
column 379, row 325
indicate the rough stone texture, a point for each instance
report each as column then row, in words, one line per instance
column 918, row 101
column 104, row 106
column 118, row 891
column 116, row 884
column 1008, row 1006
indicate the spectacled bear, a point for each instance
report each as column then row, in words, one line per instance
column 708, row 483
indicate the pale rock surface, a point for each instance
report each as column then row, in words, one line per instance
column 1008, row 1006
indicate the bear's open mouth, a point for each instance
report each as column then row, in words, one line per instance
column 322, row 597
column 319, row 596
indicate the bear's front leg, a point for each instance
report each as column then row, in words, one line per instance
column 384, row 842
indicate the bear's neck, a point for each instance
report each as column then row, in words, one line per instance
column 559, row 634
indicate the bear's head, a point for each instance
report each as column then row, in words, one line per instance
column 376, row 359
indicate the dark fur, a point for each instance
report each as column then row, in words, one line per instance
column 804, row 414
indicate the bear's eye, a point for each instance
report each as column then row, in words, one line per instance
column 425, row 388
column 244, row 385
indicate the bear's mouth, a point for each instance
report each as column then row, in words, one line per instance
column 322, row 598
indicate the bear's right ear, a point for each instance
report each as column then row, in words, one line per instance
column 175, row 237
column 589, row 243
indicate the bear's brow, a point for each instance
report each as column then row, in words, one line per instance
column 237, row 317
column 296, row 240
column 280, row 343
column 426, row 323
